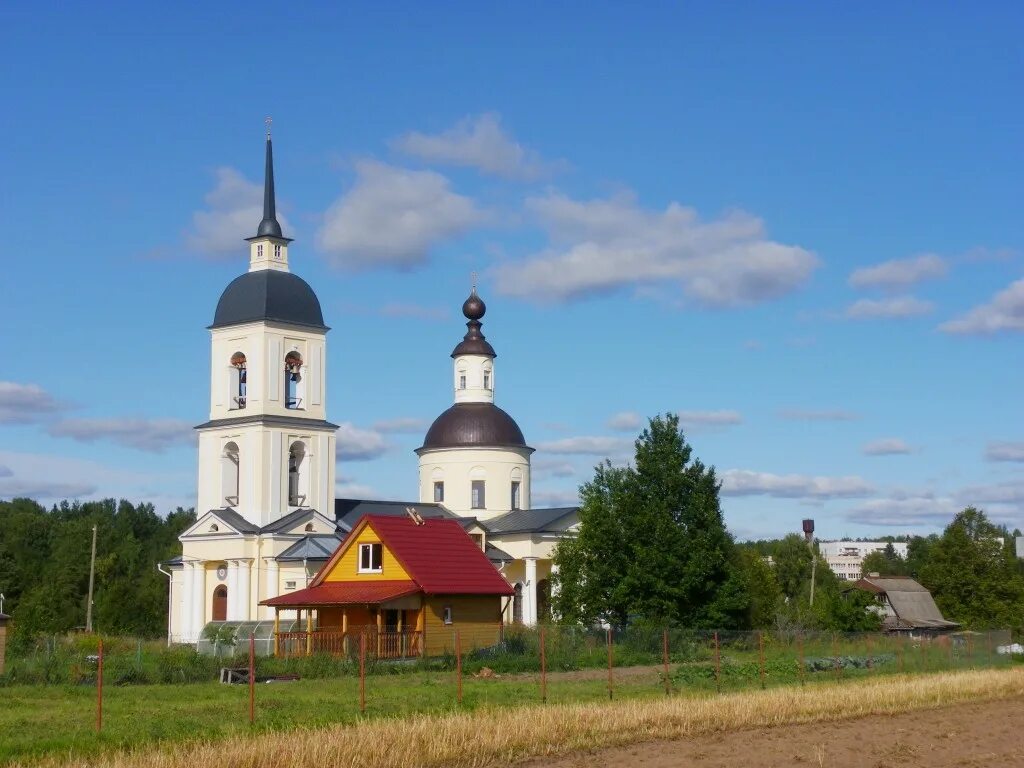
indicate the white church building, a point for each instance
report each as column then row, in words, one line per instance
column 267, row 514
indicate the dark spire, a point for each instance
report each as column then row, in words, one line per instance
column 269, row 227
column 474, row 343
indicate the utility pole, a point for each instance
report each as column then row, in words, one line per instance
column 92, row 581
column 809, row 535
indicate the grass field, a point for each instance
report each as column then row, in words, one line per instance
column 487, row 735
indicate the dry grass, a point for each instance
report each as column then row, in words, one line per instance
column 496, row 737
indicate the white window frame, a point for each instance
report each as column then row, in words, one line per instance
column 369, row 546
column 517, row 494
column 474, row 503
column 439, row 491
column 446, row 615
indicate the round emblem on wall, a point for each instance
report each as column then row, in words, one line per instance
column 222, row 572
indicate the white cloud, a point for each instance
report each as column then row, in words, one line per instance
column 477, row 142
column 905, row 512
column 415, row 311
column 401, row 425
column 352, row 490
column 1005, row 312
column 355, row 444
column 600, row 246
column 234, row 210
column 625, row 421
column 821, row 414
column 894, row 307
column 1005, row 450
column 744, row 482
column 1003, row 497
column 900, row 274
column 25, row 403
column 887, row 446
column 154, row 435
column 552, row 468
column 6, row 471
column 587, row 446
column 694, row 419
column 393, row 217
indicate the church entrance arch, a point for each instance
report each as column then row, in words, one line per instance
column 220, row 604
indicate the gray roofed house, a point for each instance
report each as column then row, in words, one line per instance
column 552, row 520
column 905, row 605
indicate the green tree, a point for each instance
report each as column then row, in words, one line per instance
column 762, row 587
column 886, row 562
column 973, row 575
column 652, row 544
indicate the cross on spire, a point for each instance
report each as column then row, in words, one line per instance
column 472, row 277
column 268, row 121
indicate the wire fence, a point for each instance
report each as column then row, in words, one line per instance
column 546, row 664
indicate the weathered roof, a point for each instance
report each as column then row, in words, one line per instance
column 269, row 295
column 289, row 520
column 913, row 604
column 496, row 555
column 311, row 547
column 348, row 512
column 346, row 593
column 470, row 425
column 554, row 519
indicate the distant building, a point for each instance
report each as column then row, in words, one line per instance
column 905, row 605
column 846, row 558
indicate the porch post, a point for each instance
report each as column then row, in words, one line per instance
column 277, row 631
column 401, row 637
column 421, row 627
column 380, row 626
column 309, row 631
column 344, row 628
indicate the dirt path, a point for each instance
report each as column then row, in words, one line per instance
column 967, row 736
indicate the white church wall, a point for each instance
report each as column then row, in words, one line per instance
column 477, row 373
column 458, row 467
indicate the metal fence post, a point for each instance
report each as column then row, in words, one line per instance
column 664, row 655
column 362, row 671
column 760, row 657
column 99, row 687
column 252, row 678
column 458, row 663
column 609, row 662
column 800, row 659
column 543, row 669
column 718, row 665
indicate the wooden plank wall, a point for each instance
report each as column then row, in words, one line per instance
column 476, row 617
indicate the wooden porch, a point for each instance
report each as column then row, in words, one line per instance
column 378, row 644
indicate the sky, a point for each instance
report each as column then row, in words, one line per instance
column 796, row 225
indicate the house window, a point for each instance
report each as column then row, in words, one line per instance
column 289, row 585
column 515, row 494
column 439, row 491
column 462, row 381
column 447, row 614
column 370, row 558
column 477, row 495
column 487, row 380
column 478, row 539
column 310, row 527
column 259, row 251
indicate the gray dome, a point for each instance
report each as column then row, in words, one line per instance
column 269, row 294
column 474, row 425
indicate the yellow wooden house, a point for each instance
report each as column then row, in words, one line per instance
column 399, row 587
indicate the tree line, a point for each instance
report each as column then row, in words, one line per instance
column 44, row 565
column 653, row 548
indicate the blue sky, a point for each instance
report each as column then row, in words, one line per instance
column 799, row 226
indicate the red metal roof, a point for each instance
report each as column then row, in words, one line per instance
column 439, row 555
column 345, row 593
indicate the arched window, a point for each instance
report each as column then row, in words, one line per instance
column 298, row 472
column 229, row 462
column 516, row 500
column 310, row 527
column 220, row 604
column 517, row 605
column 488, row 379
column 236, row 396
column 293, row 380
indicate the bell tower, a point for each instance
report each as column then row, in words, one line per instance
column 267, row 449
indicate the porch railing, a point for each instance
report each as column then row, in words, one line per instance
column 379, row 645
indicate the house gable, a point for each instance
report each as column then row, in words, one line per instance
column 344, row 565
column 217, row 523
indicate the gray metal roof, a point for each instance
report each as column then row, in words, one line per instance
column 469, row 425
column 348, row 511
column 269, row 295
column 288, row 521
column 554, row 519
column 235, row 520
column 496, row 555
column 312, row 547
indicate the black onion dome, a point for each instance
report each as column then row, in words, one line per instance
column 474, row 425
column 474, row 343
column 269, row 294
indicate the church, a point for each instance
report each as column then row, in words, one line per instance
column 268, row 517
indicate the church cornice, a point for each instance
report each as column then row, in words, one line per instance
column 269, row 421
